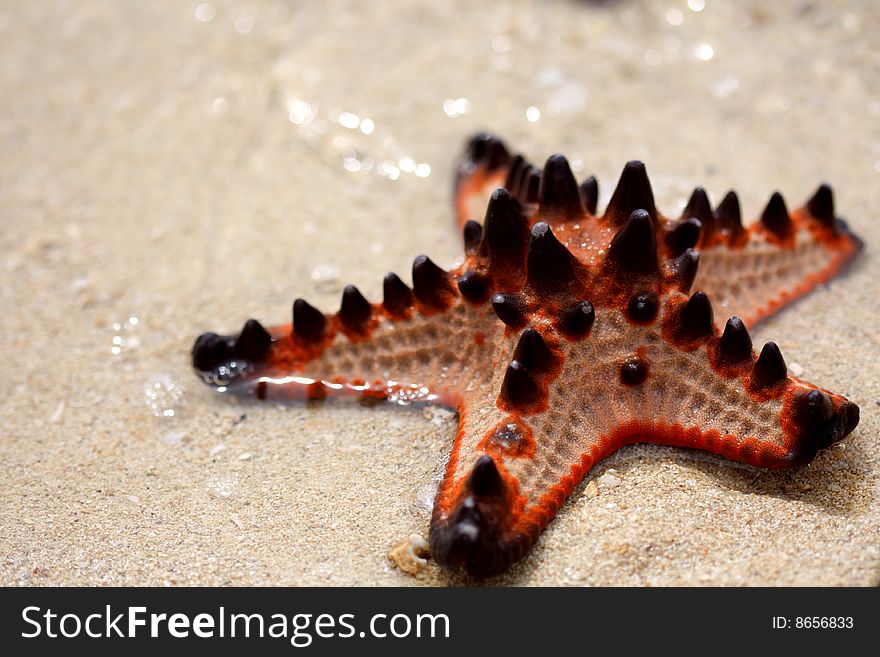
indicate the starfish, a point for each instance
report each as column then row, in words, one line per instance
column 563, row 336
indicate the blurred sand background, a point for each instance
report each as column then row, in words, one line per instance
column 168, row 168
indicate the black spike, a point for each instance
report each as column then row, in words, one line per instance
column 431, row 284
column 819, row 424
column 509, row 309
column 770, row 368
column 642, row 307
column 697, row 317
column 478, row 146
column 821, row 205
column 559, row 195
column 514, row 173
column 576, row 321
column 590, row 194
column 531, row 185
column 633, row 192
column 309, row 323
column 489, row 150
column 633, row 250
column 253, row 342
column 775, row 216
column 550, row 264
column 735, row 345
column 519, row 386
column 729, row 214
column 473, row 286
column 485, row 480
column 683, row 235
column 355, row 310
column 505, row 231
column 211, row 350
column 470, row 538
column 684, row 270
column 533, row 352
column 397, row 297
column 698, row 207
column 633, row 371
column 813, row 407
column 473, row 233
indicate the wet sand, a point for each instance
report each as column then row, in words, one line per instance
column 168, row 168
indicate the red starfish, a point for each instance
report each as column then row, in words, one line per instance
column 562, row 337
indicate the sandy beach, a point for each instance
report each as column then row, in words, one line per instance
column 168, row 168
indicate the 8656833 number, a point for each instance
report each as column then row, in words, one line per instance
column 814, row 623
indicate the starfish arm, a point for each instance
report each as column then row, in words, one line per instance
column 751, row 272
column 760, row 274
column 414, row 353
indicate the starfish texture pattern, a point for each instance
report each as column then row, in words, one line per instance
column 565, row 335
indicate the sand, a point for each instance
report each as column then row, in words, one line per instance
column 173, row 167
